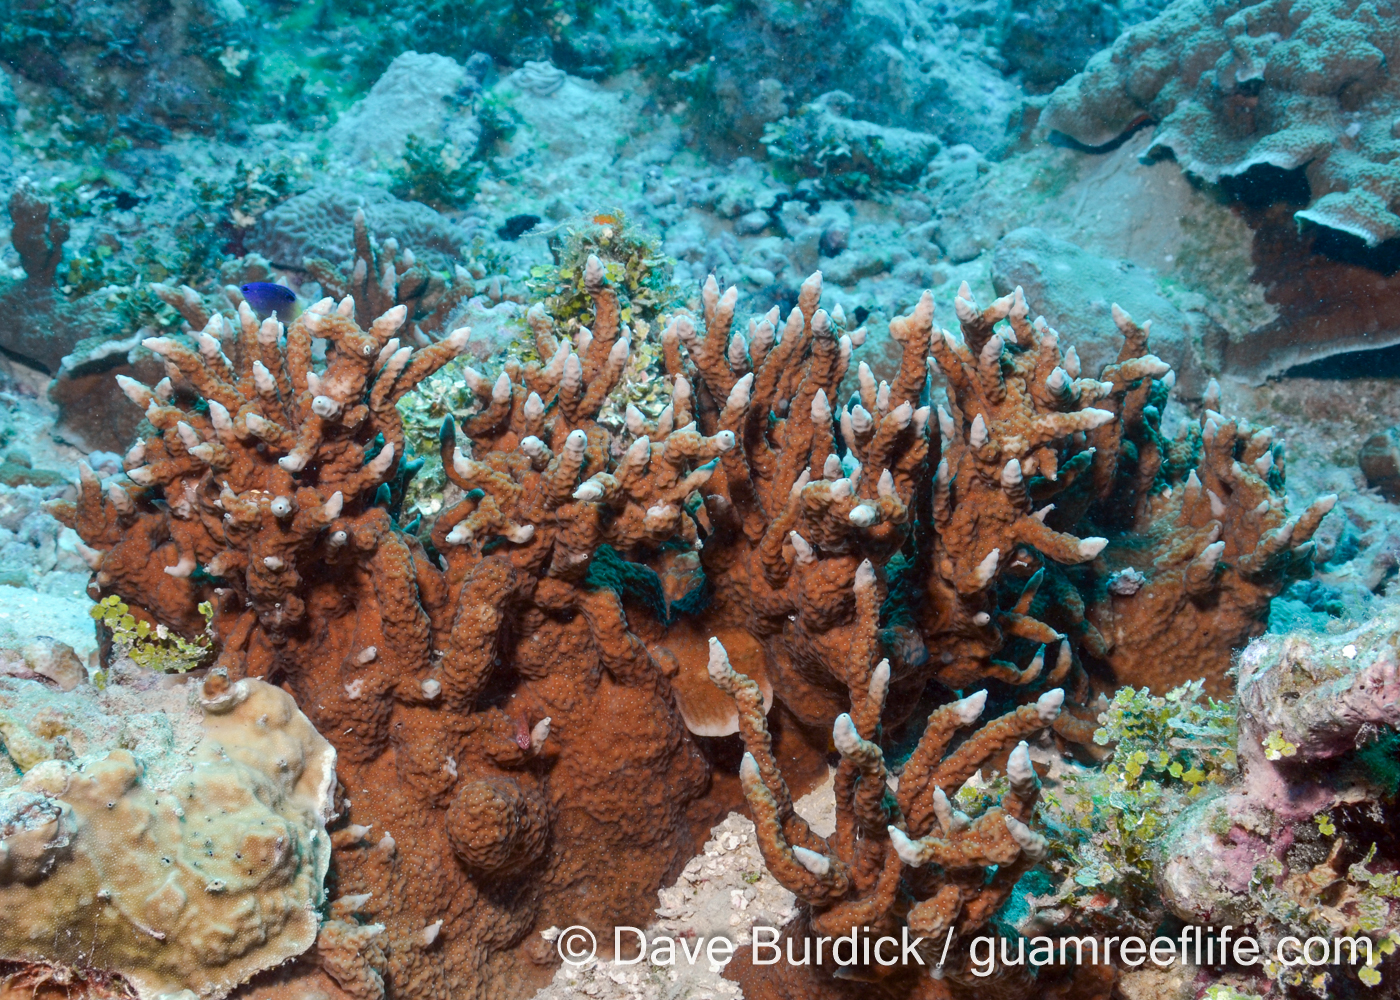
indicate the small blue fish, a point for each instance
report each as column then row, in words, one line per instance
column 267, row 297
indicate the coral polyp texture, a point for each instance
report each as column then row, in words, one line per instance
column 183, row 851
column 1236, row 87
column 1047, row 525
column 902, row 866
column 503, row 736
column 510, row 694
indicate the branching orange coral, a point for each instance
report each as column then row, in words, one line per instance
column 486, row 704
column 500, row 696
column 1005, row 540
column 906, row 866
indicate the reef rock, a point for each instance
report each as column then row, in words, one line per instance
column 1380, row 462
column 1074, row 288
column 92, row 411
column 414, row 96
column 819, row 140
column 1237, row 87
column 1318, row 715
column 905, row 63
column 170, row 833
column 320, row 223
column 37, row 323
column 564, row 116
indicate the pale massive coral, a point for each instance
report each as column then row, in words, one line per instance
column 182, row 849
column 1233, row 87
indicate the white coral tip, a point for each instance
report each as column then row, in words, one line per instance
column 540, row 732
column 907, row 850
column 1091, row 547
column 977, row 435
column 719, row 667
column 1018, row 765
column 818, row 864
column 844, row 735
column 865, row 576
column 589, row 490
column 183, row 568
column 1031, row 842
column 987, row 568
column 1048, row 705
column 969, row 709
column 863, row 515
column 739, row 395
column 748, row 769
column 383, row 460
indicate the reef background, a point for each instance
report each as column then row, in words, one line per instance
column 1242, row 196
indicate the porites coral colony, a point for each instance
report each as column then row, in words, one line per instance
column 509, row 696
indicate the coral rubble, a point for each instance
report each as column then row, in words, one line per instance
column 173, row 836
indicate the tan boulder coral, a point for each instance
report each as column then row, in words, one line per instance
column 1236, row 86
column 183, row 854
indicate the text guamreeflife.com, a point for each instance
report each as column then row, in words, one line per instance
column 984, row 955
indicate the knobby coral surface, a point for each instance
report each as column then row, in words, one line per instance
column 181, row 867
column 1237, row 86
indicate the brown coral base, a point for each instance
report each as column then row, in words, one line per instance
column 1326, row 306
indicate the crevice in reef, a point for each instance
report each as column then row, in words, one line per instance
column 1345, row 248
column 1325, row 306
column 1264, row 184
column 1384, row 362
